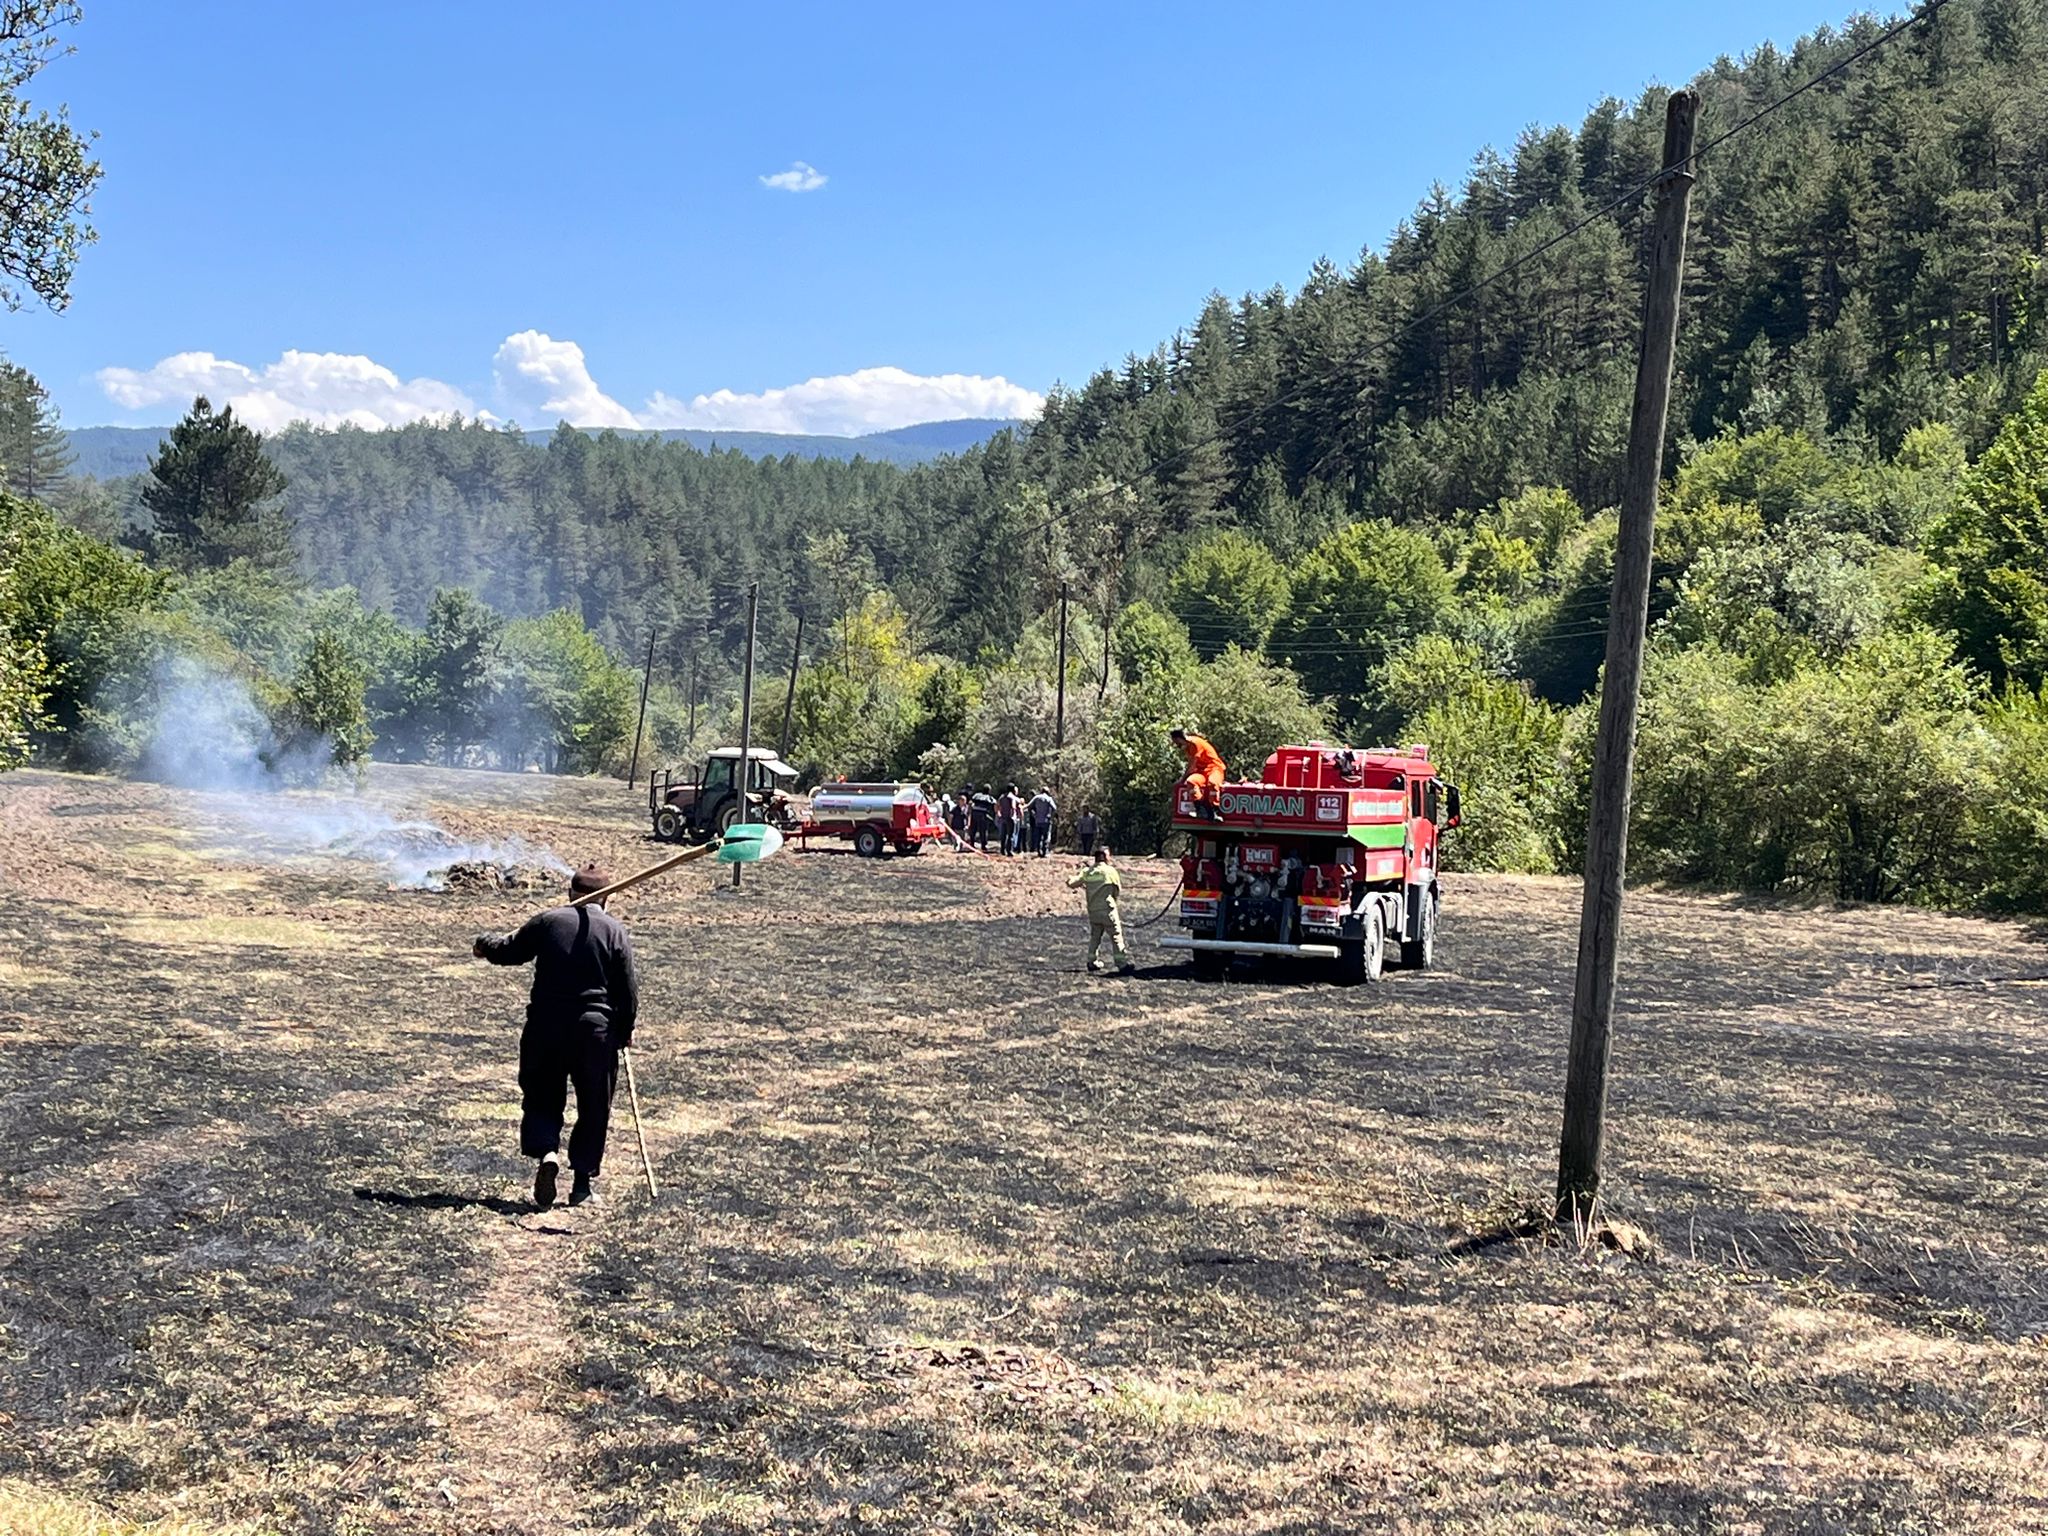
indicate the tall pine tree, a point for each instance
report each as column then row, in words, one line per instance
column 35, row 456
column 213, row 495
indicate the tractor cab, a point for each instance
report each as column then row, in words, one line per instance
column 706, row 804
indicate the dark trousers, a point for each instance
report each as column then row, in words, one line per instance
column 1087, row 842
column 550, row 1060
column 1041, row 838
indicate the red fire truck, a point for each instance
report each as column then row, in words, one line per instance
column 1331, row 854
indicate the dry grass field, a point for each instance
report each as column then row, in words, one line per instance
column 956, row 1237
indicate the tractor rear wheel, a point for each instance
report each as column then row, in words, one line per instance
column 729, row 815
column 868, row 842
column 1419, row 953
column 668, row 824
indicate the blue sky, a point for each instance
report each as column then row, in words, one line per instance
column 381, row 210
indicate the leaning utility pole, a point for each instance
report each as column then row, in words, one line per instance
column 1102, row 682
column 796, row 656
column 746, row 767
column 640, row 730
column 1585, row 1093
column 1059, row 712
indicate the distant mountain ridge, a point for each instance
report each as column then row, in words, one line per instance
column 111, row 452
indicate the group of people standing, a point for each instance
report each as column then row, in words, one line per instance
column 979, row 816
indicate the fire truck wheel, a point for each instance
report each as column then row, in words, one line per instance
column 668, row 824
column 1420, row 954
column 868, row 843
column 1210, row 964
column 1362, row 951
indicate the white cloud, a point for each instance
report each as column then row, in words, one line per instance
column 540, row 381
column 543, row 377
column 328, row 389
column 870, row 400
column 798, row 178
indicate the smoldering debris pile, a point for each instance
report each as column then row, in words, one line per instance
column 490, row 875
column 426, row 857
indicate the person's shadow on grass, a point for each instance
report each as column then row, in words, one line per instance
column 442, row 1200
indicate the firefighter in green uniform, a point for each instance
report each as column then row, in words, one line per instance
column 1101, row 884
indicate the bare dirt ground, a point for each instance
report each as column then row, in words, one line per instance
column 955, row 1237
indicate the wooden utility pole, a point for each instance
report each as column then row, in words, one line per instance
column 746, row 768
column 1585, row 1094
column 1102, row 682
column 796, row 656
column 640, row 730
column 1059, row 711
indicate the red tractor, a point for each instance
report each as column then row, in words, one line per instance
column 1331, row 855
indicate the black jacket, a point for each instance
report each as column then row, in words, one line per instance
column 582, row 971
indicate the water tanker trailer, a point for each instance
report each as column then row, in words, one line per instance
column 876, row 817
column 1331, row 854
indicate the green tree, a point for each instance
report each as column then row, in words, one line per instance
column 564, row 695
column 1503, row 747
column 325, row 722
column 70, row 597
column 946, row 701
column 1149, row 645
column 1360, row 596
column 35, row 455
column 24, row 668
column 1228, row 591
column 1990, row 587
column 46, row 170
column 213, row 495
column 454, row 682
column 2010, row 822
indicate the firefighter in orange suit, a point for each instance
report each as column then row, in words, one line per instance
column 1205, row 771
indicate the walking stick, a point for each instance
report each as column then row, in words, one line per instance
column 633, row 1097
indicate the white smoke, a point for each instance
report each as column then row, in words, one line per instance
column 211, row 735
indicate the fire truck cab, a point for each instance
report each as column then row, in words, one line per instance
column 1330, row 855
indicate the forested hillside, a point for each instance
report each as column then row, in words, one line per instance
column 109, row 453
column 1382, row 502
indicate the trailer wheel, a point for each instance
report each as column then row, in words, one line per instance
column 668, row 824
column 1210, row 964
column 1419, row 954
column 868, row 843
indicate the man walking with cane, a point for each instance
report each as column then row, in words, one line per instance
column 581, row 1014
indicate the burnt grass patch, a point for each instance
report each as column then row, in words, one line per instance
column 955, row 1236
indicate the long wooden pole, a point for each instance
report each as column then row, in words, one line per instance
column 646, row 678
column 703, row 850
column 1585, row 1094
column 1059, row 711
column 639, row 1131
column 796, row 656
column 747, row 718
